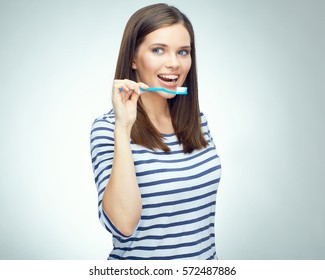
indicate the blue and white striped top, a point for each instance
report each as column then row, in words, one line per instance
column 178, row 197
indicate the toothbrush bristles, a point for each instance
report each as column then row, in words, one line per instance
column 181, row 89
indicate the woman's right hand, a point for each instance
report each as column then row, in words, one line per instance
column 124, row 98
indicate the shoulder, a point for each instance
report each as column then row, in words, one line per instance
column 205, row 128
column 104, row 124
column 204, row 121
column 108, row 118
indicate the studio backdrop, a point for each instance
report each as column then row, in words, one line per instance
column 261, row 86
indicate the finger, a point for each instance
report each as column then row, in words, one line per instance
column 126, row 88
column 139, row 86
column 120, row 92
column 129, row 84
column 136, row 88
column 143, row 85
column 135, row 97
column 123, row 85
column 118, row 86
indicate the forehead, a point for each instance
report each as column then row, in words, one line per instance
column 173, row 34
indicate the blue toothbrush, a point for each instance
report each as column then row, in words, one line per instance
column 179, row 90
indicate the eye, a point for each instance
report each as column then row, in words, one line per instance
column 183, row 52
column 158, row 50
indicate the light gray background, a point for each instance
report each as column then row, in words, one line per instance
column 261, row 79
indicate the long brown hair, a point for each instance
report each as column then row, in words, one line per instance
column 184, row 109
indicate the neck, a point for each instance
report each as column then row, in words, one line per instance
column 155, row 106
column 158, row 112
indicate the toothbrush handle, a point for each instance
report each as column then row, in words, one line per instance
column 158, row 89
column 150, row 89
column 163, row 89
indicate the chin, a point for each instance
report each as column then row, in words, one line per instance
column 166, row 95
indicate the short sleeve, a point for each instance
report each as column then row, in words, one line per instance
column 205, row 129
column 102, row 153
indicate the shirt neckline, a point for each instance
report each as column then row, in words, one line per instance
column 167, row 134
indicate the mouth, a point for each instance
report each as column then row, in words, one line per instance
column 168, row 79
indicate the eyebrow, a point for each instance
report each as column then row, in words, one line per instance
column 164, row 45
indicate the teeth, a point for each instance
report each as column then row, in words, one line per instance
column 170, row 77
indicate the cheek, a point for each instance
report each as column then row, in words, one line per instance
column 185, row 69
column 149, row 64
column 187, row 66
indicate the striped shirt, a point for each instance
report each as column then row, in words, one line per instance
column 178, row 196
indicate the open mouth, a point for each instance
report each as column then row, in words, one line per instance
column 172, row 79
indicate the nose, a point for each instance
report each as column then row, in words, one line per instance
column 172, row 62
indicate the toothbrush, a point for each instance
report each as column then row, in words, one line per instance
column 179, row 90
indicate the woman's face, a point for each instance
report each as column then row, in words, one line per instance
column 164, row 59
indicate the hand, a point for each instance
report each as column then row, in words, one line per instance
column 125, row 96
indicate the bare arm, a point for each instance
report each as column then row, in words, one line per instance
column 122, row 198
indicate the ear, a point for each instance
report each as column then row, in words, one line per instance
column 134, row 66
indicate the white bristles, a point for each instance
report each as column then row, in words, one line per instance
column 181, row 89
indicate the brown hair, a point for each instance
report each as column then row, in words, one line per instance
column 184, row 109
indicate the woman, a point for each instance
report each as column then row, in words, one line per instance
column 155, row 163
